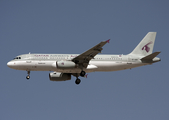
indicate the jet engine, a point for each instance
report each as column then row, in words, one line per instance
column 56, row 76
column 65, row 64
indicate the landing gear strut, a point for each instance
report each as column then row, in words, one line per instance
column 28, row 76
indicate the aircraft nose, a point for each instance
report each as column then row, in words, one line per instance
column 10, row 64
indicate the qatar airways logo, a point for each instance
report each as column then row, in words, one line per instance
column 62, row 63
column 146, row 47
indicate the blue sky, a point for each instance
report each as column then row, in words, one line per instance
column 73, row 27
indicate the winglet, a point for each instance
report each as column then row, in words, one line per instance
column 108, row 41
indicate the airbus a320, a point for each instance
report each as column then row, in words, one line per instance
column 66, row 65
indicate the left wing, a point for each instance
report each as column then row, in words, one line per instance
column 84, row 58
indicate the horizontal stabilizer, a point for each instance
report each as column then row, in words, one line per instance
column 151, row 58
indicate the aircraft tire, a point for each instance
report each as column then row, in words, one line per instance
column 27, row 77
column 83, row 73
column 77, row 81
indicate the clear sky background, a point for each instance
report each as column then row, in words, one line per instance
column 74, row 26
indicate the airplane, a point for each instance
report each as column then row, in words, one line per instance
column 63, row 66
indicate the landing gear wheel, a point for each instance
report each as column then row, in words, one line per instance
column 27, row 77
column 77, row 81
column 83, row 73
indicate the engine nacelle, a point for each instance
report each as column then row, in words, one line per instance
column 56, row 76
column 65, row 64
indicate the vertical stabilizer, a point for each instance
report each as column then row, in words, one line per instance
column 145, row 47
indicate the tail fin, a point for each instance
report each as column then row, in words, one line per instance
column 145, row 47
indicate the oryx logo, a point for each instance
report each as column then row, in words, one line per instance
column 62, row 63
column 146, row 47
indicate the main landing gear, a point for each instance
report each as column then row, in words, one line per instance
column 28, row 76
column 82, row 74
column 77, row 81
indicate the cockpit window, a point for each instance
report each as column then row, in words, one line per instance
column 17, row 58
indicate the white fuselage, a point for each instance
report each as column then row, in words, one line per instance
column 47, row 62
column 66, row 65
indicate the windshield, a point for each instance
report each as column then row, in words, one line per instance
column 17, row 58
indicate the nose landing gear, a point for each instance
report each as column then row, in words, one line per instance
column 28, row 76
